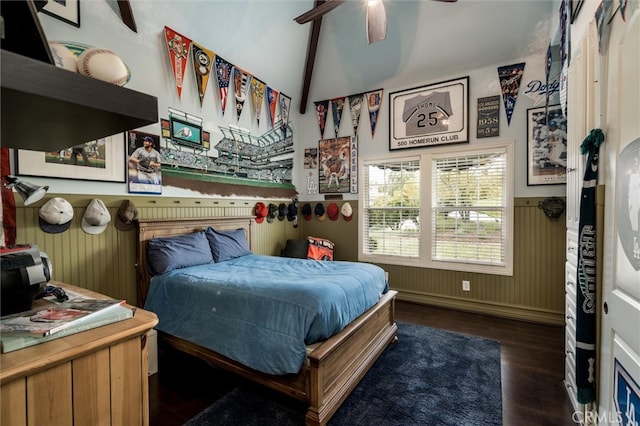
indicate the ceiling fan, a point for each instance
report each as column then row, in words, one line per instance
column 376, row 19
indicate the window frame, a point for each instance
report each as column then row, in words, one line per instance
column 426, row 159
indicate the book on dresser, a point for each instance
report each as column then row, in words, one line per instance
column 13, row 342
column 47, row 319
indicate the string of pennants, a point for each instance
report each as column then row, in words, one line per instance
column 244, row 83
column 373, row 100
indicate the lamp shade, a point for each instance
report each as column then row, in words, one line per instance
column 29, row 192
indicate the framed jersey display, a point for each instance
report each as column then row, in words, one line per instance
column 436, row 114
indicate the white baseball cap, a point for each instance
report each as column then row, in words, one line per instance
column 96, row 217
column 55, row 215
column 347, row 211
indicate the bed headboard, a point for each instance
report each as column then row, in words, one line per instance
column 152, row 228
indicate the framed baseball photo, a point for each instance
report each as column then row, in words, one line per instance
column 546, row 146
column 99, row 160
column 430, row 115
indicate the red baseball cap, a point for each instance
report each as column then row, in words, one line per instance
column 260, row 211
column 333, row 211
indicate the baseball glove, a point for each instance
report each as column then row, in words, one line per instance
column 145, row 164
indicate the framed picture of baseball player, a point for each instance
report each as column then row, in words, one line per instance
column 430, row 115
column 144, row 163
column 97, row 160
column 546, row 146
column 334, row 165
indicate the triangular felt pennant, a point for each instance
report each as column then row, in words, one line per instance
column 257, row 94
column 202, row 63
column 223, row 76
column 321, row 114
column 272, row 102
column 355, row 106
column 241, row 81
column 178, row 48
column 374, row 99
column 337, row 105
column 510, row 77
column 285, row 104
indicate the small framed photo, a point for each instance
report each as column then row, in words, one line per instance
column 546, row 146
column 430, row 115
column 65, row 10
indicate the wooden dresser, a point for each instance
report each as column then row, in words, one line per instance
column 96, row 377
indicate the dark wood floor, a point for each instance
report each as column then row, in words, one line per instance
column 532, row 358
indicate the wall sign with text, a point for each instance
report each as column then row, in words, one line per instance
column 435, row 114
column 488, row 117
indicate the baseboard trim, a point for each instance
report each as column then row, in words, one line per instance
column 504, row 311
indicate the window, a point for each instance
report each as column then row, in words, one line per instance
column 441, row 209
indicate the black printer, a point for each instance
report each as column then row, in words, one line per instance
column 25, row 272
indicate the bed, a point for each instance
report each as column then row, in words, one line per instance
column 330, row 369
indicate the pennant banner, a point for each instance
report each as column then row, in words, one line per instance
column 202, row 63
column 355, row 106
column 241, row 81
column 374, row 99
column 510, row 77
column 178, row 48
column 337, row 105
column 586, row 303
column 285, row 104
column 321, row 114
column 257, row 94
column 272, row 102
column 223, row 75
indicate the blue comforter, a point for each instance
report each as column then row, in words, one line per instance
column 262, row 311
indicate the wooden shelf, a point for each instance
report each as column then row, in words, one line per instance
column 45, row 108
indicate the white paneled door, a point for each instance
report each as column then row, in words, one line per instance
column 619, row 390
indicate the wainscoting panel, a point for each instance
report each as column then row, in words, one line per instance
column 106, row 262
column 535, row 292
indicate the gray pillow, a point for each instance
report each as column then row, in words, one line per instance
column 227, row 244
column 169, row 253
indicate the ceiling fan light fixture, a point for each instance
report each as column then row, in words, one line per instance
column 376, row 21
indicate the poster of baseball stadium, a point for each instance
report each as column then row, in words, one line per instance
column 229, row 161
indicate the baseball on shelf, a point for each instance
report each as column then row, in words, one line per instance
column 63, row 57
column 103, row 64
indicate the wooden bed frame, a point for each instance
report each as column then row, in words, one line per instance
column 333, row 368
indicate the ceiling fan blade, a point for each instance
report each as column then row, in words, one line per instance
column 376, row 21
column 318, row 11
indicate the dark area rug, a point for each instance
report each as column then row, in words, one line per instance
column 430, row 377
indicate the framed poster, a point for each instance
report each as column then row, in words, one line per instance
column 65, row 10
column 546, row 146
column 334, row 165
column 435, row 114
column 144, row 163
column 99, row 160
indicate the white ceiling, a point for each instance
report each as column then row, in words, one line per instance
column 426, row 40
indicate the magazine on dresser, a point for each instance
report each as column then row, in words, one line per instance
column 13, row 342
column 48, row 318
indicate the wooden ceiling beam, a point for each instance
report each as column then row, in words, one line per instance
column 311, row 58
